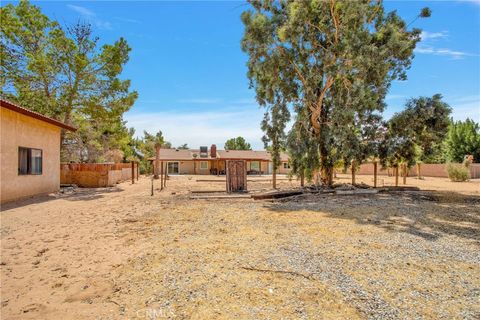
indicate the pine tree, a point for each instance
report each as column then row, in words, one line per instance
column 62, row 72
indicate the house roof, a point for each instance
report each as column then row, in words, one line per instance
column 188, row 154
column 8, row 105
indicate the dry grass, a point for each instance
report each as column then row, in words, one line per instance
column 119, row 253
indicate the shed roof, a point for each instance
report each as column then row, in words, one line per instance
column 8, row 105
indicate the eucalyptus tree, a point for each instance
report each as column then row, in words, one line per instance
column 273, row 125
column 335, row 58
column 302, row 148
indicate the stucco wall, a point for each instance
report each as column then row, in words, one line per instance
column 426, row 170
column 18, row 130
column 264, row 166
column 186, row 167
column 282, row 170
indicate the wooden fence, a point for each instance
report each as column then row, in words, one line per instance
column 94, row 175
column 426, row 170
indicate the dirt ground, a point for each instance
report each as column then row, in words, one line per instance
column 119, row 253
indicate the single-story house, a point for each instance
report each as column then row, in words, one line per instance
column 30, row 152
column 212, row 161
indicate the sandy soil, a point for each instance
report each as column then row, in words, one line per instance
column 118, row 253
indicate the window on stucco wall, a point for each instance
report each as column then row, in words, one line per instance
column 29, row 161
column 255, row 165
column 203, row 164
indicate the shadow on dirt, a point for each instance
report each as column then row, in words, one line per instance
column 79, row 194
column 428, row 215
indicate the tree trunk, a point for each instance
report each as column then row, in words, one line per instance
column 396, row 175
column 302, row 179
column 157, row 162
column 274, row 177
column 375, row 166
column 405, row 172
column 419, row 176
column 353, row 172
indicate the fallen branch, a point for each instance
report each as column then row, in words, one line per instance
column 276, row 194
column 309, row 276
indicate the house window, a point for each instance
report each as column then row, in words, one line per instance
column 286, row 165
column 255, row 165
column 29, row 161
column 204, row 165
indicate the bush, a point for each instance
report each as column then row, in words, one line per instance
column 458, row 172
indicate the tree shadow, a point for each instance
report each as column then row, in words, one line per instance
column 429, row 215
column 79, row 194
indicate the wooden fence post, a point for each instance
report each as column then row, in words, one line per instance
column 138, row 170
column 161, row 176
column 302, row 179
column 375, row 174
column 419, row 176
column 396, row 175
column 133, row 172
column 405, row 172
column 166, row 174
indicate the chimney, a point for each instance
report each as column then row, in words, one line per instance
column 213, row 151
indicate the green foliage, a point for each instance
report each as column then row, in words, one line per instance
column 273, row 125
column 146, row 148
column 416, row 133
column 426, row 120
column 64, row 73
column 183, row 147
column 458, row 172
column 302, row 148
column 334, row 59
column 237, row 143
column 463, row 139
column 425, row 12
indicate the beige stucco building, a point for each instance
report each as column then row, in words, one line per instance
column 29, row 152
column 213, row 161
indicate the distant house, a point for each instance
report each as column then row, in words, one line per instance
column 212, row 161
column 30, row 152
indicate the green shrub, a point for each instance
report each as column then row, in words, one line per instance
column 458, row 172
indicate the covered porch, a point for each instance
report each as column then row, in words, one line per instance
column 217, row 166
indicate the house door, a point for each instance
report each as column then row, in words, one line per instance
column 236, row 176
column 173, row 168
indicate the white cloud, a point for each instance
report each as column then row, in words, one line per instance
column 426, row 35
column 201, row 127
column 92, row 16
column 442, row 52
column 128, row 20
column 465, row 107
column 82, row 10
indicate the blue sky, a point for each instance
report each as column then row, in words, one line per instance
column 187, row 65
